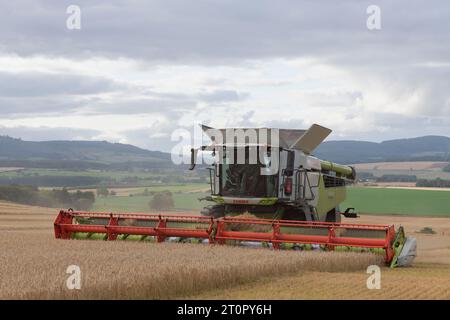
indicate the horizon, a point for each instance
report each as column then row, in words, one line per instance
column 169, row 151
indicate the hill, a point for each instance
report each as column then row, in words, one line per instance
column 79, row 154
column 427, row 148
column 106, row 155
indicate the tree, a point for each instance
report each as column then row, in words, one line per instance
column 162, row 201
column 102, row 191
column 83, row 204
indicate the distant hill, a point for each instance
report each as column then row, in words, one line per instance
column 427, row 148
column 16, row 152
column 102, row 154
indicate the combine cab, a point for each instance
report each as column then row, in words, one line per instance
column 293, row 196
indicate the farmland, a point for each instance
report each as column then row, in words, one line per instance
column 33, row 265
column 406, row 165
column 420, row 169
column 399, row 201
column 364, row 199
column 91, row 178
column 186, row 200
column 147, row 271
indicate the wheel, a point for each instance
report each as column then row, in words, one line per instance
column 333, row 216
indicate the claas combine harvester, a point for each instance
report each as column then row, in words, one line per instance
column 288, row 199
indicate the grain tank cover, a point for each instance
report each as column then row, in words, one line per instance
column 311, row 139
column 300, row 139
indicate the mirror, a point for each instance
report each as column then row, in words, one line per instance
column 289, row 171
column 193, row 158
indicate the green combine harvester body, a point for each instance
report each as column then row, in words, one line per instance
column 302, row 188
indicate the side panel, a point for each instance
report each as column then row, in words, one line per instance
column 329, row 198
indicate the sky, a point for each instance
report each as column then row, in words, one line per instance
column 136, row 71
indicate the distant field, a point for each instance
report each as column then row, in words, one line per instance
column 188, row 201
column 190, row 187
column 398, row 201
column 9, row 169
column 408, row 165
column 421, row 169
column 69, row 173
column 365, row 200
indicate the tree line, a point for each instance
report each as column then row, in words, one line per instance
column 56, row 198
column 436, row 183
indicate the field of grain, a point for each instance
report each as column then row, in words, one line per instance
column 33, row 266
column 429, row 278
column 424, row 281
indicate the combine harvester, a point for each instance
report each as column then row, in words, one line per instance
column 292, row 196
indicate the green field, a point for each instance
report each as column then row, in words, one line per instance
column 188, row 187
column 187, row 201
column 420, row 174
column 398, row 201
column 84, row 173
column 364, row 200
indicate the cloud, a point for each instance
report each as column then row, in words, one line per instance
column 41, row 84
column 47, row 133
column 222, row 31
column 218, row 96
column 163, row 65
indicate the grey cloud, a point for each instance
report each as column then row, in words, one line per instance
column 169, row 107
column 32, row 106
column 28, row 94
column 156, row 136
column 223, row 96
column 231, row 31
column 221, row 31
column 414, row 36
column 47, row 133
column 44, row 84
column 61, row 105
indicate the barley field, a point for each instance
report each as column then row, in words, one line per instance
column 33, row 265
